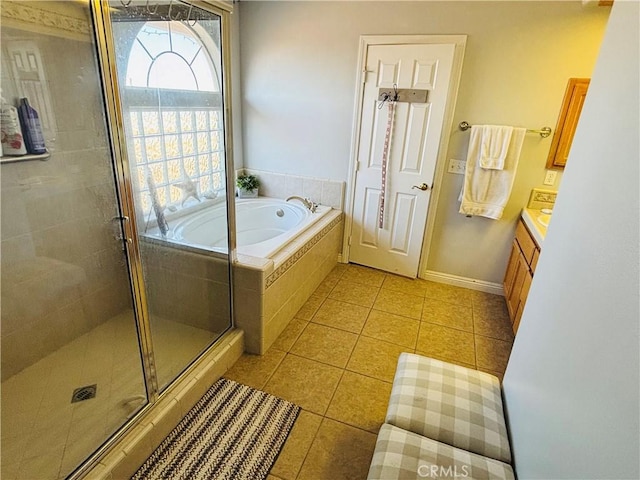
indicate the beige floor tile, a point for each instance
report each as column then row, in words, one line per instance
column 484, row 298
column 500, row 375
column 339, row 452
column 360, row 401
column 297, row 445
column 304, row 382
column 375, row 358
column 492, row 320
column 310, row 307
column 447, row 344
column 448, row 314
column 325, row 288
column 342, row 315
column 449, row 293
column 414, row 286
column 325, row 344
column 365, row 275
column 255, row 370
column 392, row 328
column 352, row 292
column 399, row 303
column 492, row 354
column 337, row 272
column 290, row 334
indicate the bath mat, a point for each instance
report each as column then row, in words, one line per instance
column 233, row 432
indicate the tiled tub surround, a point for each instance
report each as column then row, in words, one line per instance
column 269, row 292
column 278, row 185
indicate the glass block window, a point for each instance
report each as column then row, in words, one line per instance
column 174, row 122
column 173, row 145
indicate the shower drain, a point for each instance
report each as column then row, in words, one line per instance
column 84, row 393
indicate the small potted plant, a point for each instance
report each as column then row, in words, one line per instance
column 247, row 186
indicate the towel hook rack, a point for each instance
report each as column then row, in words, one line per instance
column 544, row 132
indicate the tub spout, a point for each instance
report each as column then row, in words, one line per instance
column 306, row 202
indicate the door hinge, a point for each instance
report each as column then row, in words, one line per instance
column 349, row 240
column 357, row 165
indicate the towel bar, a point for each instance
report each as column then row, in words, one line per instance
column 544, row 132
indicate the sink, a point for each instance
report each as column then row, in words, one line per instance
column 543, row 219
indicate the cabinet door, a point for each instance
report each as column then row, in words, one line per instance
column 567, row 121
column 524, row 292
column 522, row 270
column 510, row 274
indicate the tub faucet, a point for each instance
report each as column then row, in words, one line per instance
column 307, row 203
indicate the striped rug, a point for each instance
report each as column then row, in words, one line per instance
column 233, row 432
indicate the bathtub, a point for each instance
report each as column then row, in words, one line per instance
column 263, row 226
column 284, row 254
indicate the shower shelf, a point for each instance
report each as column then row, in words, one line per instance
column 25, row 158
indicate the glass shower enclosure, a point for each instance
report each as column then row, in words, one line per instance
column 101, row 309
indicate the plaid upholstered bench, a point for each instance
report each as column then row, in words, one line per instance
column 443, row 421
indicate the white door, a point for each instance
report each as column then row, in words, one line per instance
column 412, row 155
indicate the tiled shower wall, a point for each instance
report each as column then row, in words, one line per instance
column 62, row 267
column 321, row 191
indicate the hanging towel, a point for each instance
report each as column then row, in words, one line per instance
column 494, row 146
column 486, row 192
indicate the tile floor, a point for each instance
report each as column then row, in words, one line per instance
column 337, row 358
column 44, row 436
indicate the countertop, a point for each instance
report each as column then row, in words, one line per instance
column 537, row 223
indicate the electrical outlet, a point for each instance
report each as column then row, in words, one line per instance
column 550, row 177
column 457, row 166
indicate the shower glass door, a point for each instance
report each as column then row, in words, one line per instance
column 71, row 364
column 170, row 84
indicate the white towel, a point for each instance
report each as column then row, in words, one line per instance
column 486, row 192
column 494, row 146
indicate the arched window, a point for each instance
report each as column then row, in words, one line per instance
column 173, row 94
column 162, row 47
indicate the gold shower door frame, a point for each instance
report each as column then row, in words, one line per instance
column 107, row 65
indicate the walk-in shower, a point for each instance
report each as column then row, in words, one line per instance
column 98, row 319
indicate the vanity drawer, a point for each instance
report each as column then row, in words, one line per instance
column 527, row 245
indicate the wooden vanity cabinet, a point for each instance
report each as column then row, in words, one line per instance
column 519, row 273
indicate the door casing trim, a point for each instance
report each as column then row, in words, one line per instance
column 460, row 42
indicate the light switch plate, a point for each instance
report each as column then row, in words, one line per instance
column 550, row 177
column 457, row 166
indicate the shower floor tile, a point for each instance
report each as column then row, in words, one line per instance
column 452, row 323
column 44, row 435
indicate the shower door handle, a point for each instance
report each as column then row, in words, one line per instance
column 424, row 187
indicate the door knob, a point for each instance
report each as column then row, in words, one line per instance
column 422, row 187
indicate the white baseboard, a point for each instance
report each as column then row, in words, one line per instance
column 471, row 283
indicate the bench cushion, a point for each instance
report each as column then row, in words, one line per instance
column 450, row 404
column 404, row 455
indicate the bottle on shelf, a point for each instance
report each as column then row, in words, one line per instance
column 11, row 139
column 34, row 139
